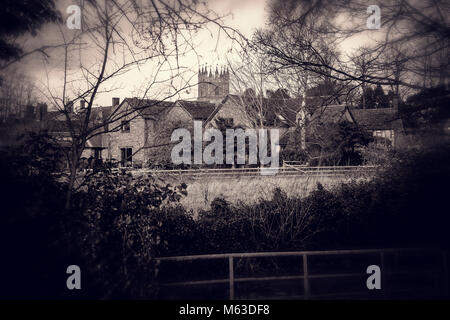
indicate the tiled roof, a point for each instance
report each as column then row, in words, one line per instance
column 59, row 129
column 199, row 110
column 149, row 107
column 281, row 109
column 274, row 110
column 95, row 142
column 60, row 125
column 278, row 110
column 376, row 119
column 55, row 115
column 331, row 113
column 313, row 102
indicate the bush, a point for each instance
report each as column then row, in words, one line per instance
column 118, row 224
column 115, row 228
column 122, row 229
column 31, row 218
column 376, row 153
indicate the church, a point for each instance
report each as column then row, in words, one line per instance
column 149, row 122
column 213, row 86
column 142, row 137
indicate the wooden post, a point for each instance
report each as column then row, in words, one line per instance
column 231, row 276
column 305, row 277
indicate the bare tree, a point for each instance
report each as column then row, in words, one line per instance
column 249, row 80
column 420, row 27
column 16, row 91
column 116, row 37
column 409, row 52
column 364, row 66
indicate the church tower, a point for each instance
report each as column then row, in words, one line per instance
column 213, row 86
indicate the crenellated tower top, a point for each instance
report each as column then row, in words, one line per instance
column 213, row 83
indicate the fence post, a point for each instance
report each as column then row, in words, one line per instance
column 305, row 277
column 231, row 276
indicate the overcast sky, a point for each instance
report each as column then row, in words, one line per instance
column 211, row 48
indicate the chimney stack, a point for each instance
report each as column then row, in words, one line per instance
column 115, row 102
column 82, row 104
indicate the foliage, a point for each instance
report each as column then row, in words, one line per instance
column 293, row 150
column 20, row 17
column 31, row 218
column 378, row 153
column 119, row 232
column 427, row 108
column 280, row 94
column 381, row 99
column 293, row 153
column 374, row 98
column 298, row 31
column 337, row 144
column 111, row 230
column 118, row 223
column 328, row 143
column 402, row 206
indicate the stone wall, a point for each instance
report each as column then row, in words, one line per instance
column 230, row 109
column 133, row 139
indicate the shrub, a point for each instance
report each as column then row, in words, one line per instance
column 118, row 224
column 31, row 218
column 377, row 154
column 114, row 229
column 122, row 229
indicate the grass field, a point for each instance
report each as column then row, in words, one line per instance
column 249, row 189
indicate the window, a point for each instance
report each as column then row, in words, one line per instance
column 228, row 122
column 387, row 134
column 216, row 91
column 97, row 153
column 384, row 137
column 125, row 126
column 126, row 157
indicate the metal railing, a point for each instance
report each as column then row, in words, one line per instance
column 306, row 275
column 286, row 170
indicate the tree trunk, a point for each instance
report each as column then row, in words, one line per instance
column 303, row 116
column 73, row 164
column 364, row 96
